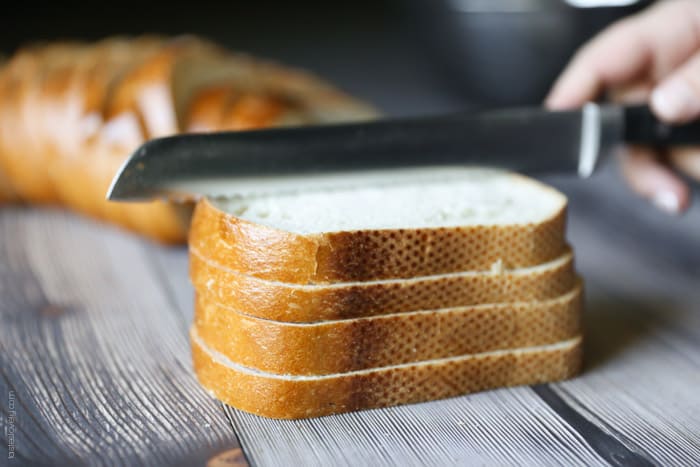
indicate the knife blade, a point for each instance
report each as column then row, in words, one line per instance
column 528, row 140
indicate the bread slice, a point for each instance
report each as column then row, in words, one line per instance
column 282, row 301
column 357, row 344
column 291, row 396
column 464, row 219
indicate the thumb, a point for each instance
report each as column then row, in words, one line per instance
column 677, row 98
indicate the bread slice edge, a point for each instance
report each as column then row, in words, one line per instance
column 293, row 397
column 354, row 344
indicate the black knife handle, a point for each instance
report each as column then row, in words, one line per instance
column 642, row 127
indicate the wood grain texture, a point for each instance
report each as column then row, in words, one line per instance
column 94, row 349
column 101, row 373
column 637, row 402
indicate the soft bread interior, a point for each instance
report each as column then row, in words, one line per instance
column 443, row 198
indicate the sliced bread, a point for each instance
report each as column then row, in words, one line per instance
column 469, row 219
column 292, row 396
column 357, row 344
column 321, row 302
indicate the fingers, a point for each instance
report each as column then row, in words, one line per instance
column 615, row 56
column 677, row 98
column 687, row 160
column 636, row 93
column 654, row 181
column 641, row 47
column 659, row 45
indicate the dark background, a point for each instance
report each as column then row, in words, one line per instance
column 369, row 48
column 406, row 56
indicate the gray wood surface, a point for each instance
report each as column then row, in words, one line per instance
column 93, row 349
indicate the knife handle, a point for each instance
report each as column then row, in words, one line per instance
column 642, row 127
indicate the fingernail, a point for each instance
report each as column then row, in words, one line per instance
column 667, row 201
column 675, row 100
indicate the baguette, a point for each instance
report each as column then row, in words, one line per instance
column 284, row 396
column 326, row 236
column 71, row 113
column 281, row 301
column 358, row 344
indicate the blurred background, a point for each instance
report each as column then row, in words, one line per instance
column 407, row 57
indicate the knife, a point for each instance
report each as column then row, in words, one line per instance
column 529, row 140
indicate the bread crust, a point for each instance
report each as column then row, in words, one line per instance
column 364, row 255
column 281, row 301
column 22, row 163
column 79, row 95
column 7, row 190
column 207, row 108
column 349, row 345
column 276, row 396
column 148, row 89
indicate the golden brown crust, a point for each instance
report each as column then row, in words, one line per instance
column 207, row 108
column 269, row 396
column 349, row 345
column 165, row 222
column 225, row 107
column 7, row 191
column 23, row 63
column 43, row 110
column 22, row 162
column 364, row 255
column 298, row 303
column 72, row 103
column 252, row 110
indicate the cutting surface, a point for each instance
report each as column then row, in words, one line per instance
column 95, row 365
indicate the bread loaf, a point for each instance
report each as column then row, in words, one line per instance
column 71, row 113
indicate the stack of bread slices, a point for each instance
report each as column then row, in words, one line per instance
column 322, row 301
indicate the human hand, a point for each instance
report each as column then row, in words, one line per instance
column 654, row 56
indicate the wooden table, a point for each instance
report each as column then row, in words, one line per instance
column 96, row 365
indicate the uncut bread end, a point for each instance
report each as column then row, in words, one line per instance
column 292, row 397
